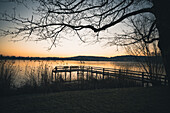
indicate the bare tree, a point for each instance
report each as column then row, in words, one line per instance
column 53, row 17
column 137, row 44
column 141, row 28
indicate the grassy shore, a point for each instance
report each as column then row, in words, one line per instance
column 119, row 100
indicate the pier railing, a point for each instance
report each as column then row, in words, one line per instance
column 74, row 73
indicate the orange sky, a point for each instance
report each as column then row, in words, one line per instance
column 71, row 47
column 65, row 49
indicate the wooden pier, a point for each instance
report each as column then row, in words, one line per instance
column 77, row 73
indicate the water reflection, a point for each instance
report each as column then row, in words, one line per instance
column 33, row 69
column 105, row 64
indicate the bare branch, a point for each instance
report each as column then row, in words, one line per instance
column 52, row 18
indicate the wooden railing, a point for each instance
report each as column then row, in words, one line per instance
column 102, row 73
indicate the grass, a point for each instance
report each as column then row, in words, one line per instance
column 8, row 72
column 118, row 100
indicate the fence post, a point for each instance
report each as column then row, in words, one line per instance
column 51, row 77
column 55, row 76
column 119, row 78
column 119, row 73
column 70, row 73
column 65, row 74
column 109, row 75
column 78, row 75
column 103, row 73
column 83, row 72
column 142, row 79
column 87, row 73
column 91, row 71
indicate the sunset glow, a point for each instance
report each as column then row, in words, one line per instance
column 72, row 46
column 66, row 48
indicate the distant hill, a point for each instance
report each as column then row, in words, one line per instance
column 89, row 58
column 83, row 58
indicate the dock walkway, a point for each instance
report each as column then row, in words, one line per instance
column 76, row 73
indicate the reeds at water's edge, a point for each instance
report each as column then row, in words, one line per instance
column 39, row 80
column 8, row 72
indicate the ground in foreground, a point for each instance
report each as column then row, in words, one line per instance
column 119, row 100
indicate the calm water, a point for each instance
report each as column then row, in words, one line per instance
column 27, row 68
column 105, row 64
column 35, row 64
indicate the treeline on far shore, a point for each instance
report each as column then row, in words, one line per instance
column 86, row 58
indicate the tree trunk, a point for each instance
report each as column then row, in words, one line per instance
column 162, row 14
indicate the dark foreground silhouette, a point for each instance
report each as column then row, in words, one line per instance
column 118, row 100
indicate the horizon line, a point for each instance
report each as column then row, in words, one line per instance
column 65, row 56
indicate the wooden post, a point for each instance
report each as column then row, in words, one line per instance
column 55, row 76
column 83, row 72
column 70, row 74
column 77, row 75
column 119, row 75
column 65, row 74
column 51, row 76
column 142, row 79
column 119, row 72
column 91, row 71
column 55, row 73
column 103, row 73
column 58, row 75
column 87, row 73
column 108, row 75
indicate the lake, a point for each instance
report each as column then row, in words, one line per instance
column 105, row 64
column 25, row 69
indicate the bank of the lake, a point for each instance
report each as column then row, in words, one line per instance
column 119, row 100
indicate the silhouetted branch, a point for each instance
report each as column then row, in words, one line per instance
column 57, row 17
